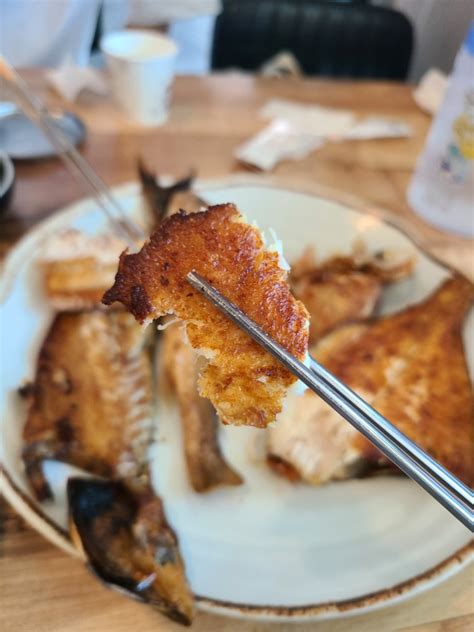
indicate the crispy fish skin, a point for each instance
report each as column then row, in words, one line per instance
column 128, row 543
column 411, row 367
column 344, row 289
column 245, row 384
column 90, row 401
column 207, row 467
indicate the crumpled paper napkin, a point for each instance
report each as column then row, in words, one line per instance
column 278, row 141
column 297, row 129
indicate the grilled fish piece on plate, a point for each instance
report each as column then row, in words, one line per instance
column 245, row 384
column 122, row 530
column 90, row 401
column 207, row 467
column 77, row 268
column 344, row 289
column 411, row 367
column 90, row 406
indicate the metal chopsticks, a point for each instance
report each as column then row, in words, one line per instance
column 37, row 112
column 449, row 491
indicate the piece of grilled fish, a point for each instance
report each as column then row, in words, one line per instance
column 122, row 529
column 90, row 400
column 411, row 367
column 77, row 268
column 207, row 467
column 245, row 384
column 90, row 406
column 344, row 289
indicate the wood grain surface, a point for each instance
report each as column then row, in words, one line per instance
column 41, row 588
column 44, row 590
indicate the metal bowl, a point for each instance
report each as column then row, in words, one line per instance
column 23, row 140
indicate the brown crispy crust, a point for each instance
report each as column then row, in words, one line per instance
column 414, row 364
column 410, row 367
column 245, row 384
column 343, row 289
column 337, row 298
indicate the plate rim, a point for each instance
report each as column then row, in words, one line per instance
column 33, row 514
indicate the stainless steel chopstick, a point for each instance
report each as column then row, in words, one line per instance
column 438, row 482
column 37, row 112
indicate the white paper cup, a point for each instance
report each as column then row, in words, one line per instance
column 141, row 66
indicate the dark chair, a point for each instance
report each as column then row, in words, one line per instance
column 328, row 38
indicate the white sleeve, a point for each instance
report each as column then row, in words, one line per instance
column 53, row 31
column 194, row 39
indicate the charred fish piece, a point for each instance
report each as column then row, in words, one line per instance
column 123, row 532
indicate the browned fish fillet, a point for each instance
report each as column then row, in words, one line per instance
column 411, row 367
column 91, row 407
column 78, row 268
column 90, row 404
column 77, row 283
column 206, row 465
column 245, row 384
column 343, row 289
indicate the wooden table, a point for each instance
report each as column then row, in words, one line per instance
column 40, row 587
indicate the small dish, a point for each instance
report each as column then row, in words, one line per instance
column 24, row 141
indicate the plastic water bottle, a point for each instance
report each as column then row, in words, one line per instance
column 442, row 188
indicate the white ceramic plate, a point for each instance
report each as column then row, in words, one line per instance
column 268, row 549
